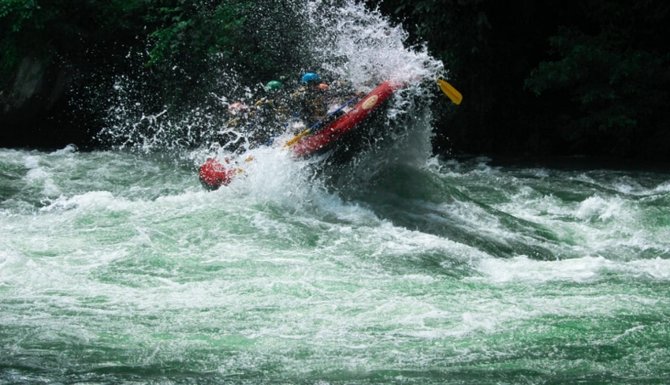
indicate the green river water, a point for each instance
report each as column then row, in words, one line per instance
column 120, row 269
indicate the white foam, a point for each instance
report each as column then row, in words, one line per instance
column 88, row 200
column 522, row 269
column 598, row 208
column 67, row 150
column 662, row 188
column 40, row 176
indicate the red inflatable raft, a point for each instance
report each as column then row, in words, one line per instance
column 345, row 123
column 213, row 174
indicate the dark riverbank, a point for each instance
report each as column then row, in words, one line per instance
column 567, row 163
column 588, row 79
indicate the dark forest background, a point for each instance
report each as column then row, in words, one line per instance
column 539, row 78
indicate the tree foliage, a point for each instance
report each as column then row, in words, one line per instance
column 64, row 30
column 175, row 50
column 614, row 71
column 191, row 43
column 548, row 77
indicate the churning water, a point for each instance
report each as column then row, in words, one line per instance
column 119, row 268
column 116, row 267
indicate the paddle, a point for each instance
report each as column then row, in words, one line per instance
column 307, row 131
column 296, row 138
column 450, row 91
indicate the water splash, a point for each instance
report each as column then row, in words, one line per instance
column 363, row 47
column 351, row 44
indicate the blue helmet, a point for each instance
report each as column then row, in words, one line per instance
column 310, row 77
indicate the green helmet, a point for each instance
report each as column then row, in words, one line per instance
column 273, row 85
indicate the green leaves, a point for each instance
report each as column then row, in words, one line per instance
column 608, row 81
column 614, row 75
column 14, row 13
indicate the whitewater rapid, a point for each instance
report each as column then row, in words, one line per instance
column 111, row 275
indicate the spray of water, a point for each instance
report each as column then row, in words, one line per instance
column 350, row 44
column 363, row 47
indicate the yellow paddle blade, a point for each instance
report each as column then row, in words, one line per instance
column 296, row 138
column 450, row 91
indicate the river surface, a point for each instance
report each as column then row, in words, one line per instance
column 119, row 268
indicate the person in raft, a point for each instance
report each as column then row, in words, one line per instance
column 320, row 103
column 271, row 112
column 310, row 99
column 265, row 118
